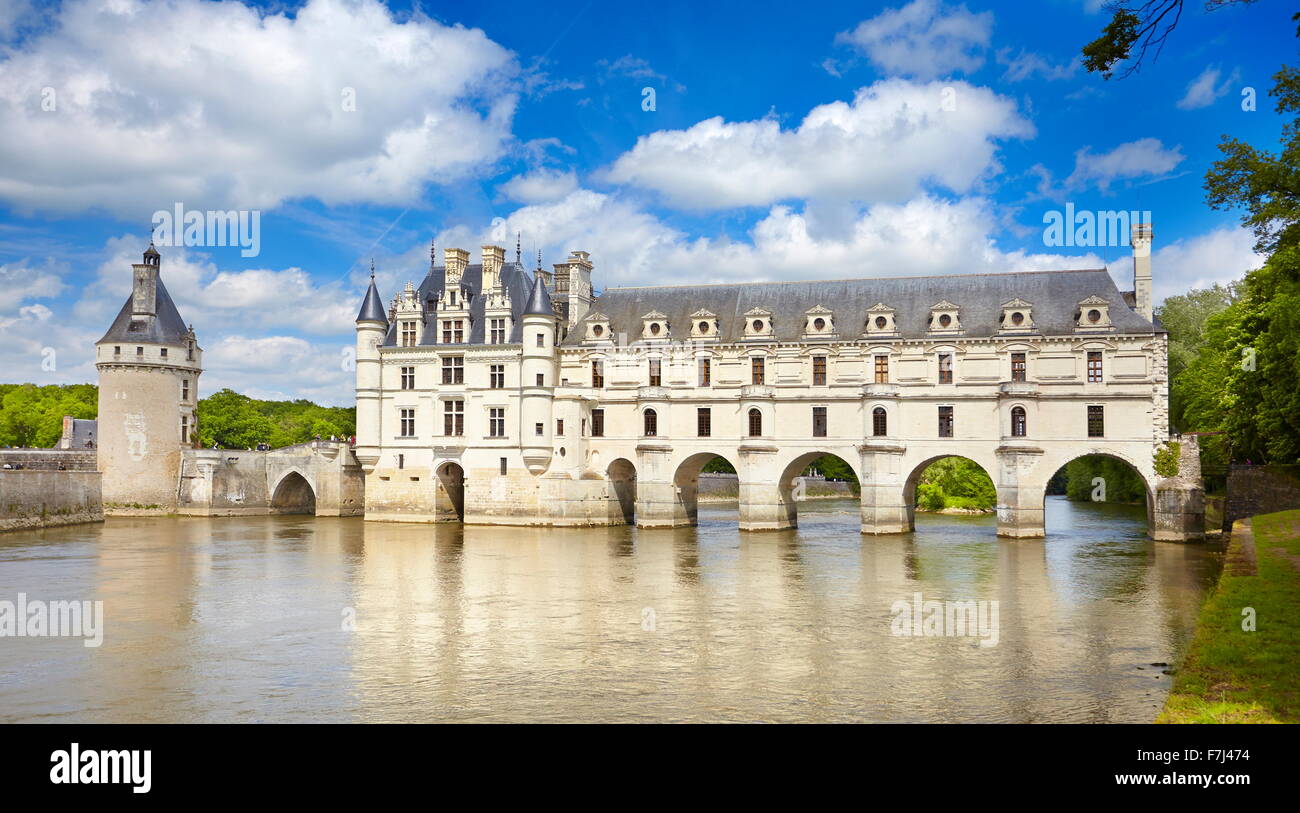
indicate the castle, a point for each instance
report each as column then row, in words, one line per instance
column 489, row 394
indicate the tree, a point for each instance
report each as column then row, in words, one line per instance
column 1185, row 317
column 1144, row 24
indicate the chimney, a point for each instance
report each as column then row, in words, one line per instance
column 1141, row 239
column 493, row 258
column 455, row 259
column 144, row 289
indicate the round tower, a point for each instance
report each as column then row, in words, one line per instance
column 537, row 384
column 372, row 327
column 149, row 365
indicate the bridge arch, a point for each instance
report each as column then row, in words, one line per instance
column 621, row 473
column 293, row 494
column 910, row 485
column 449, row 500
column 686, row 479
column 1108, row 493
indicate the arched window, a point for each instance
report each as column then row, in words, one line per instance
column 755, row 423
column 651, row 423
column 879, row 422
column 1017, row 422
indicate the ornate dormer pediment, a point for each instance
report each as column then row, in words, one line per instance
column 704, row 324
column 758, row 323
column 880, row 320
column 597, row 327
column 654, row 325
column 1017, row 317
column 1093, row 313
column 819, row 322
column 945, row 317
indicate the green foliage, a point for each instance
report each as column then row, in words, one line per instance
column 833, row 468
column 1187, row 317
column 236, row 421
column 1166, row 459
column 32, row 416
column 1123, row 484
column 955, row 482
column 718, row 465
column 1141, row 23
column 1114, row 45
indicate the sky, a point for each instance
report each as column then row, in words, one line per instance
column 677, row 142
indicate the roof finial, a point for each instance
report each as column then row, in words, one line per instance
column 539, row 259
column 433, row 252
column 372, row 267
column 519, row 248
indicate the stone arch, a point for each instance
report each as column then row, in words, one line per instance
column 293, row 494
column 449, row 501
column 1148, row 480
column 914, row 478
column 786, row 498
column 622, row 480
column 686, row 480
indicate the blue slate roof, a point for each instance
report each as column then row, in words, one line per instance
column 514, row 278
column 165, row 327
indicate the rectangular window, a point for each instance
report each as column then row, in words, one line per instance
column 497, row 422
column 819, row 371
column 656, row 368
column 453, row 331
column 559, row 428
column 945, row 368
column 408, row 334
column 756, row 372
column 117, row 351
column 1017, row 366
column 139, row 352
column 453, row 418
column 704, row 422
column 401, row 461
column 945, row 421
column 1096, row 421
column 819, row 422
column 497, row 376
column 541, row 339
column 879, row 422
column 706, row 372
column 164, row 352
column 541, row 379
column 408, row 378
column 503, row 465
column 498, row 329
column 185, row 429
column 598, row 423
column 882, row 369
column 597, row 374
column 185, row 389
column 453, row 369
column 1094, row 366
column 539, row 429
column 408, row 423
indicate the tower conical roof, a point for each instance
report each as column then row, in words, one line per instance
column 372, row 307
column 539, row 301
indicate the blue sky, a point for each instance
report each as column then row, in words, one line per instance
column 832, row 140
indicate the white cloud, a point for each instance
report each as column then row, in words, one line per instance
column 1135, row 159
column 922, row 236
column 925, row 39
column 892, row 139
column 1221, row 255
column 20, row 282
column 540, row 185
column 279, row 368
column 220, row 105
column 1026, row 64
column 1205, row 89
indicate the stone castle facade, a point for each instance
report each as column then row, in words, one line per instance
column 491, row 394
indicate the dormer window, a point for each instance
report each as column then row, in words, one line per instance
column 654, row 325
column 704, row 324
column 1093, row 314
column 945, row 318
column 819, row 322
column 880, row 320
column 597, row 327
column 1017, row 317
column 758, row 323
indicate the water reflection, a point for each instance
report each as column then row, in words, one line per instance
column 298, row 619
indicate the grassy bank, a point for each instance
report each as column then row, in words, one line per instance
column 1231, row 675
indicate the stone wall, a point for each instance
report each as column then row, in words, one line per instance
column 44, row 499
column 719, row 487
column 1260, row 490
column 51, row 459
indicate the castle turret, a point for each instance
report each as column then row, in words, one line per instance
column 149, row 364
column 1141, row 239
column 538, row 371
column 372, row 327
column 573, row 287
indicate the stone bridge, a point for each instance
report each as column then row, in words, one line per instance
column 655, row 484
column 320, row 477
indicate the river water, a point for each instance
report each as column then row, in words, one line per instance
column 299, row 619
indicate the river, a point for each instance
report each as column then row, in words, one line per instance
column 302, row 619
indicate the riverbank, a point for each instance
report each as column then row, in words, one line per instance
column 1242, row 664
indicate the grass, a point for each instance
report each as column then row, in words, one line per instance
column 1230, row 675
